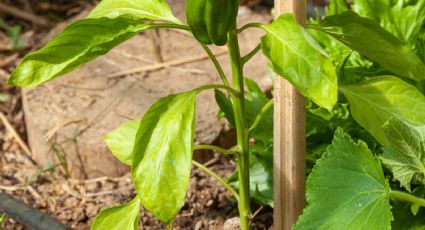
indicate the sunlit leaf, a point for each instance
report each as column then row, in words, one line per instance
column 122, row 217
column 295, row 56
column 121, row 141
column 375, row 43
column 140, row 9
column 402, row 18
column 163, row 155
column 375, row 101
column 79, row 43
column 346, row 190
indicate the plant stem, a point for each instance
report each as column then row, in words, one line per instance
column 215, row 86
column 407, row 197
column 241, row 128
column 169, row 26
column 251, row 54
column 249, row 25
column 260, row 115
column 217, row 177
column 216, row 64
column 214, row 148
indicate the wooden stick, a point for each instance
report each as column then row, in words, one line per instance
column 289, row 139
column 13, row 11
column 18, row 139
column 158, row 66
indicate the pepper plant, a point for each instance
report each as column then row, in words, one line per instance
column 344, row 60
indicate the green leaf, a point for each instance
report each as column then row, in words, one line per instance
column 122, row 217
column 163, row 154
column 79, row 43
column 225, row 107
column 261, row 179
column 2, row 218
column 405, row 153
column 375, row 43
column 336, row 7
column 139, row 9
column 295, row 56
column 121, row 141
column 346, row 190
column 375, row 101
column 402, row 18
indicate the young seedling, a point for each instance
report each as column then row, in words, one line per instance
column 159, row 146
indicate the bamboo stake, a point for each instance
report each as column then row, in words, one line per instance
column 289, row 139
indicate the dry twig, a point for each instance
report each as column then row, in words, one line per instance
column 23, row 15
column 18, row 139
column 159, row 66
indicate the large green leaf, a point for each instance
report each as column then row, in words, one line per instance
column 140, row 9
column 402, row 18
column 79, row 43
column 405, row 153
column 295, row 56
column 346, row 190
column 375, row 101
column 163, row 154
column 122, row 217
column 121, row 141
column 375, row 43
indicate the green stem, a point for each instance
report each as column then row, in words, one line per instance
column 407, row 197
column 216, row 64
column 241, row 128
column 249, row 25
column 251, row 54
column 260, row 115
column 215, row 86
column 214, row 148
column 217, row 177
column 169, row 26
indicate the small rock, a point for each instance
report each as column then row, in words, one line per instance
column 232, row 224
column 199, row 225
column 210, row 203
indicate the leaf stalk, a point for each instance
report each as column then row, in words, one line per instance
column 217, row 177
column 407, row 197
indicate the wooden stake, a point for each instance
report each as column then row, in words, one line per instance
column 289, row 139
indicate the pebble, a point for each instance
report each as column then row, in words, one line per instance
column 232, row 224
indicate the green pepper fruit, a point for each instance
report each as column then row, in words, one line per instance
column 210, row 20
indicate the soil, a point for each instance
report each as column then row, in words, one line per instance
column 76, row 202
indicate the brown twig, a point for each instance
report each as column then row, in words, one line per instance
column 13, row 11
column 159, row 66
column 156, row 46
column 18, row 139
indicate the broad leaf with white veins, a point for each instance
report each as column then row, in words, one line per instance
column 405, row 153
column 346, row 190
column 296, row 57
column 374, row 102
column 121, row 217
column 79, row 43
column 163, row 154
column 140, row 9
